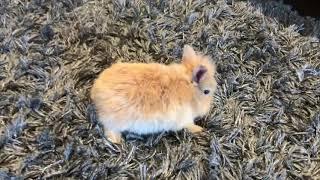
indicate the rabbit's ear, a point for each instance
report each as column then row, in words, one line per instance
column 198, row 73
column 188, row 54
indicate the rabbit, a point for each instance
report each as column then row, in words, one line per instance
column 146, row 98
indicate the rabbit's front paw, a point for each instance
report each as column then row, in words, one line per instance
column 194, row 128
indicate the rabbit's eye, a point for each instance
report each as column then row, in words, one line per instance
column 206, row 91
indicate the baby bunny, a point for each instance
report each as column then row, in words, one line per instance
column 150, row 98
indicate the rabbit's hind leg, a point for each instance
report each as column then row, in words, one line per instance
column 113, row 136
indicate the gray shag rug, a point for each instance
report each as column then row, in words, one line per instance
column 265, row 123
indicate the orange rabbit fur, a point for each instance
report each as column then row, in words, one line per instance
column 150, row 98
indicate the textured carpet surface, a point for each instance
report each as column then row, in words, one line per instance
column 265, row 123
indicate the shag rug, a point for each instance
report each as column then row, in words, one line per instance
column 265, row 123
